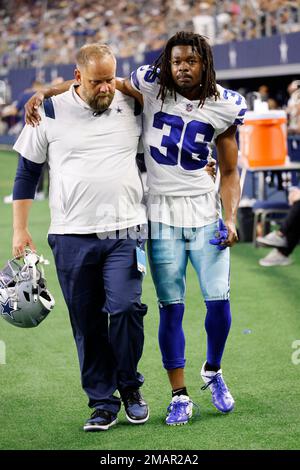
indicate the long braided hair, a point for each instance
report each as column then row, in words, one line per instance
column 162, row 67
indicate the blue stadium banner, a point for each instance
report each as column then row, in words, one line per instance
column 267, row 56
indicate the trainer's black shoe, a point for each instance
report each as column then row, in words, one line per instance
column 100, row 420
column 137, row 411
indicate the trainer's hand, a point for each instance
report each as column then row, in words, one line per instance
column 210, row 167
column 232, row 236
column 32, row 116
column 21, row 240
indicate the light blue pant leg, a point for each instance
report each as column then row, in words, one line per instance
column 168, row 260
column 211, row 265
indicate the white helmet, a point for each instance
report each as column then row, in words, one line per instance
column 24, row 299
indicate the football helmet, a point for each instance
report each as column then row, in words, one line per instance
column 24, row 299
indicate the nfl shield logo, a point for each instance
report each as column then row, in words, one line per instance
column 189, row 107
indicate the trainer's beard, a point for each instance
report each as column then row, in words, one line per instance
column 100, row 103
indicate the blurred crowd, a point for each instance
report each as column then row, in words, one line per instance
column 34, row 33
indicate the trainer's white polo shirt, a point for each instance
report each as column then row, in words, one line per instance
column 95, row 184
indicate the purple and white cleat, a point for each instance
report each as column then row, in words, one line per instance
column 221, row 396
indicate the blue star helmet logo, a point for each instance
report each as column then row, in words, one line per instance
column 7, row 309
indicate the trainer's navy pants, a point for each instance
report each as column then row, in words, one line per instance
column 102, row 289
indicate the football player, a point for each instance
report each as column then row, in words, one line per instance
column 185, row 113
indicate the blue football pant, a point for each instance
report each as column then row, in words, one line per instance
column 102, row 289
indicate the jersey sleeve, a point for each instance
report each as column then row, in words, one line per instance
column 32, row 142
column 239, row 111
column 144, row 80
column 233, row 108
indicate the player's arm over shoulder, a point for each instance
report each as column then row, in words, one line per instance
column 124, row 85
column 142, row 81
column 32, row 116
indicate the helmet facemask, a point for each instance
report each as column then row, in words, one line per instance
column 24, row 299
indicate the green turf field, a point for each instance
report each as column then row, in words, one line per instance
column 42, row 405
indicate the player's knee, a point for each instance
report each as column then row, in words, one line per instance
column 170, row 292
column 220, row 291
column 171, row 336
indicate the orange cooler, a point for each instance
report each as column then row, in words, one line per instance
column 263, row 138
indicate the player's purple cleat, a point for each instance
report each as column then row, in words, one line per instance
column 221, row 396
column 180, row 410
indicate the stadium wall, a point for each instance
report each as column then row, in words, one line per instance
column 265, row 57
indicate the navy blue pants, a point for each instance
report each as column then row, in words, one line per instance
column 102, row 289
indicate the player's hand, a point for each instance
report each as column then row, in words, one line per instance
column 21, row 240
column 210, row 167
column 232, row 236
column 32, row 116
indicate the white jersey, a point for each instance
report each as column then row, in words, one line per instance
column 178, row 138
column 95, row 185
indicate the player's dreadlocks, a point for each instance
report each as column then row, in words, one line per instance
column 199, row 44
